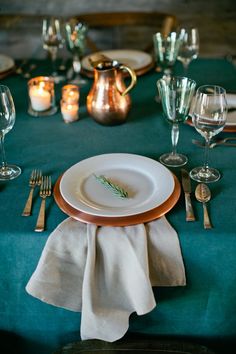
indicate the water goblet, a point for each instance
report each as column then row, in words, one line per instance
column 176, row 96
column 7, row 120
column 52, row 41
column 189, row 47
column 209, row 118
column 76, row 43
column 166, row 51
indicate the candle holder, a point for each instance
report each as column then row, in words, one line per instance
column 41, row 96
column 70, row 103
column 69, row 111
column 70, row 93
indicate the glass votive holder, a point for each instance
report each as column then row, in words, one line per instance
column 69, row 111
column 41, row 96
column 70, row 93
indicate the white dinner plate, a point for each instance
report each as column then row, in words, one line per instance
column 135, row 59
column 148, row 183
column 231, row 116
column 6, row 63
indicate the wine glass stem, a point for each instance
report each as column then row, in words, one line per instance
column 76, row 64
column 174, row 137
column 4, row 161
column 53, row 55
column 207, row 147
column 185, row 66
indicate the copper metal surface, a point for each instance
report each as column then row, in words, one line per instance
column 108, row 101
column 118, row 221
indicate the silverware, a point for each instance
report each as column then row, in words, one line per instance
column 45, row 191
column 27, row 74
column 186, row 183
column 223, row 142
column 19, row 69
column 203, row 195
column 62, row 66
column 35, row 180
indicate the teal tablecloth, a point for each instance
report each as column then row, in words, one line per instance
column 205, row 309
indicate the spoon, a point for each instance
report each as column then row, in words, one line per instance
column 203, row 195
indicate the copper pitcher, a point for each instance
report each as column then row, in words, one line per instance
column 108, row 101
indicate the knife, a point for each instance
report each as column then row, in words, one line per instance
column 186, row 183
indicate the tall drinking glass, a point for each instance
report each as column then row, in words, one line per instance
column 176, row 96
column 166, row 51
column 7, row 120
column 189, row 47
column 209, row 118
column 52, row 41
column 76, row 33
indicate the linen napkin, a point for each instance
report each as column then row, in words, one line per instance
column 107, row 273
column 231, row 101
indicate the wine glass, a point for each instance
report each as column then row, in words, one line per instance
column 176, row 96
column 52, row 41
column 165, row 51
column 7, row 120
column 76, row 43
column 189, row 47
column 209, row 118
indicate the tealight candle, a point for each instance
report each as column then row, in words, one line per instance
column 69, row 111
column 70, row 93
column 40, row 98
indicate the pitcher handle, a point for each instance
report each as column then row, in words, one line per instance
column 133, row 78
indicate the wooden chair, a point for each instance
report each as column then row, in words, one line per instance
column 125, row 30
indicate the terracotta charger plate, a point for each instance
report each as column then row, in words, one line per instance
column 141, row 62
column 117, row 221
column 7, row 73
column 227, row 128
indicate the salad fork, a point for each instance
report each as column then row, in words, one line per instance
column 45, row 191
column 35, row 180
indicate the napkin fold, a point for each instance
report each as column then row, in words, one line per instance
column 106, row 273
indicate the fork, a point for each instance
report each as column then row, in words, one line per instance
column 27, row 73
column 45, row 191
column 35, row 180
column 217, row 142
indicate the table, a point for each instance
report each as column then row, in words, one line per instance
column 204, row 310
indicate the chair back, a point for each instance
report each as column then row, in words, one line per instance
column 125, row 30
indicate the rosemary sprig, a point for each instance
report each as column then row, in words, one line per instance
column 117, row 190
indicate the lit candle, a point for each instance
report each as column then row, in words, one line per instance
column 70, row 93
column 40, row 98
column 69, row 111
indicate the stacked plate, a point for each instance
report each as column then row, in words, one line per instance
column 230, row 126
column 7, row 66
column 139, row 61
column 152, row 190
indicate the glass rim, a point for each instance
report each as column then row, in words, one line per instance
column 173, row 78
column 203, row 90
column 4, row 87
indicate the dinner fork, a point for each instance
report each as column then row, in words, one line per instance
column 217, row 142
column 45, row 191
column 35, row 180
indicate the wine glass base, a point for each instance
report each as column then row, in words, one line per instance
column 173, row 160
column 9, row 172
column 202, row 175
column 49, row 112
column 58, row 78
